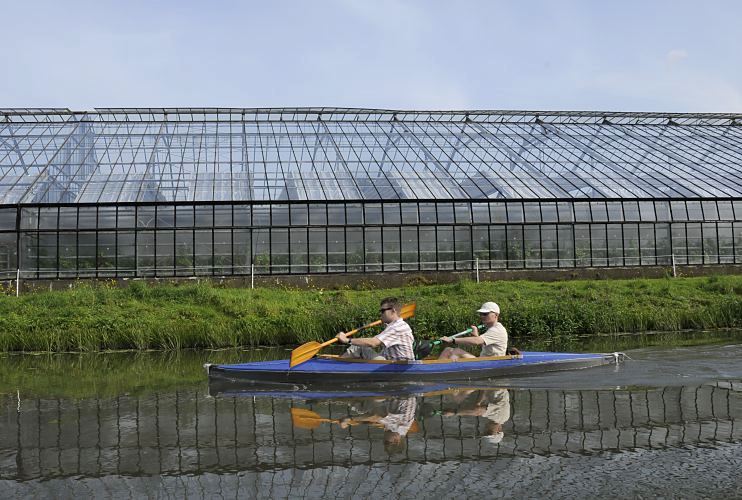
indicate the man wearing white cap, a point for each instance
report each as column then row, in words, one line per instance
column 494, row 341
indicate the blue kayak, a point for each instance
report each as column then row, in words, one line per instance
column 332, row 369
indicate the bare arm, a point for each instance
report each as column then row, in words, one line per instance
column 369, row 342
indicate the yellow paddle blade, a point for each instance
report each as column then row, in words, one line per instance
column 305, row 419
column 307, row 351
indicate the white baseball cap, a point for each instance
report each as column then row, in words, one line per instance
column 489, row 307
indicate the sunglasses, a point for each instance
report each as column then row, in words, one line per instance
column 381, row 311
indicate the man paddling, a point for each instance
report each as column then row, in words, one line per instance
column 395, row 340
column 494, row 341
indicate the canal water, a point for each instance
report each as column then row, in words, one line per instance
column 667, row 422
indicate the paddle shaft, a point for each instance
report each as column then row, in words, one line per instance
column 468, row 330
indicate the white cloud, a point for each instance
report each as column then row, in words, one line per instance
column 676, row 55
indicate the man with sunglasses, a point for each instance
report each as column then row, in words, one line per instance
column 494, row 340
column 395, row 340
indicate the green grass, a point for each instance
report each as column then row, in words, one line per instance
column 90, row 318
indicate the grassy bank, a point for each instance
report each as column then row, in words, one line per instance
column 90, row 318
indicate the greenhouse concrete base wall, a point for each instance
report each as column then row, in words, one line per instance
column 394, row 280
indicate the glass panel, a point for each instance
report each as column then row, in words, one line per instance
column 631, row 211
column 67, row 255
column 532, row 244
column 242, row 250
column 299, row 256
column 299, row 215
column 678, row 210
column 663, row 211
column 146, row 253
column 242, row 216
column 615, row 245
column 354, row 248
column 372, row 248
column 183, row 216
column 336, row 249
column 279, row 215
column 695, row 243
column 86, row 254
column 30, row 254
column 582, row 245
column 515, row 246
column 204, row 252
column 515, row 212
column 204, row 216
column 726, row 242
column 498, row 247
column 261, row 240
column 725, row 210
column 480, row 213
column 222, row 216
column 566, row 246
column 48, row 218
column 445, row 213
column 599, row 211
column 47, row 255
column 498, row 212
column 709, row 210
column 532, row 211
column 336, row 215
column 444, row 238
column 647, row 244
column 582, row 211
column 354, row 213
column 317, row 250
column 261, row 215
column 125, row 250
column 694, row 210
column 184, row 252
column 427, row 243
column 107, row 253
column 631, row 244
column 165, row 216
column 737, row 229
column 646, row 211
column 392, row 214
column 737, row 209
column 549, row 253
column 391, row 248
column 86, row 219
column 409, row 213
column 279, row 251
column 8, row 255
column 146, row 217
column 67, row 217
column 409, row 249
column 165, row 253
column 30, row 218
column 7, row 218
column 427, row 213
column 223, row 252
column 710, row 244
column 615, row 211
column 462, row 212
column 372, row 213
column 566, row 211
column 462, row 244
column 481, row 245
column 662, row 233
column 598, row 244
column 549, row 212
column 679, row 247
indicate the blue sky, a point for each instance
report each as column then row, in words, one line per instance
column 623, row 55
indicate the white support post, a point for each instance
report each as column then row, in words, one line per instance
column 477, row 265
column 252, row 275
column 18, row 282
column 674, row 273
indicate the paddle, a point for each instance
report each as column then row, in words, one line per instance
column 307, row 419
column 305, row 352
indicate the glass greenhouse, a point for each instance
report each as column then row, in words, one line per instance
column 222, row 192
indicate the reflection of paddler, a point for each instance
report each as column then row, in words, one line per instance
column 492, row 404
column 398, row 419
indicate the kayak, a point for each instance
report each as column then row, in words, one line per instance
column 334, row 370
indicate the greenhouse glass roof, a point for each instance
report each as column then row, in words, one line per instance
column 51, row 156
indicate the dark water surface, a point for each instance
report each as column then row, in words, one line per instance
column 665, row 423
